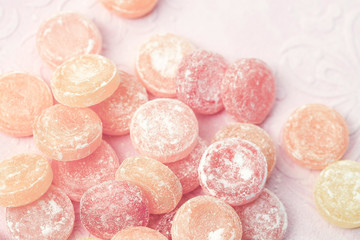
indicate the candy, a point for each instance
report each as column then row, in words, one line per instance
column 160, row 185
column 22, row 98
column 164, row 129
column 139, row 233
column 111, row 206
column 233, row 170
column 116, row 111
column 130, row 8
column 75, row 177
column 315, row 136
column 248, row 90
column 67, row 35
column 50, row 217
column 254, row 134
column 65, row 133
column 198, row 81
column 206, row 217
column 23, row 179
column 264, row 218
column 158, row 60
column 337, row 194
column 186, row 169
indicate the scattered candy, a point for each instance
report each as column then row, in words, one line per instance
column 67, row 35
column 116, row 111
column 337, row 194
column 160, row 185
column 198, row 81
column 23, row 179
column 85, row 80
column 50, row 217
column 158, row 61
column 75, row 177
column 233, row 170
column 111, row 206
column 22, row 98
column 164, row 129
column 264, row 218
column 130, row 8
column 139, row 233
column 64, row 133
column 315, row 136
column 248, row 90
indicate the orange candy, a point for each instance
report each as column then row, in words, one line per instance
column 130, row 8
column 315, row 136
column 139, row 233
column 22, row 98
column 64, row 133
column 23, row 179
column 160, row 185
column 116, row 111
column 158, row 61
column 67, row 35
column 85, row 80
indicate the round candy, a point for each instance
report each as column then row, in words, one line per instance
column 254, row 134
column 50, row 217
column 111, row 206
column 84, row 81
column 198, row 81
column 315, row 136
column 67, row 35
column 248, row 90
column 75, row 177
column 22, row 98
column 64, row 133
column 160, row 185
column 164, row 129
column 116, row 111
column 139, row 233
column 263, row 218
column 158, row 61
column 206, row 217
column 233, row 170
column 186, row 169
column 337, row 194
column 23, row 179
column 130, row 8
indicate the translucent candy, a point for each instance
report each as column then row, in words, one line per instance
column 130, row 8
column 139, row 233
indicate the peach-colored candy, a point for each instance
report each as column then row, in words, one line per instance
column 161, row 186
column 164, row 129
column 85, row 80
column 49, row 218
column 64, row 133
column 206, row 217
column 23, row 179
column 130, row 8
column 158, row 61
column 139, row 233
column 254, row 134
column 315, row 136
column 67, row 35
column 116, row 111
column 337, row 194
column 22, row 98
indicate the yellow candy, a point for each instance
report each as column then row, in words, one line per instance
column 337, row 194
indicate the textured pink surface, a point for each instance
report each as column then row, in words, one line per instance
column 313, row 47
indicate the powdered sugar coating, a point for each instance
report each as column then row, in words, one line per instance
column 233, row 170
column 139, row 233
column 263, row 218
column 315, row 136
column 50, row 217
column 116, row 111
column 130, row 8
column 75, row 177
column 198, row 81
column 111, row 206
column 248, row 90
column 164, row 129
